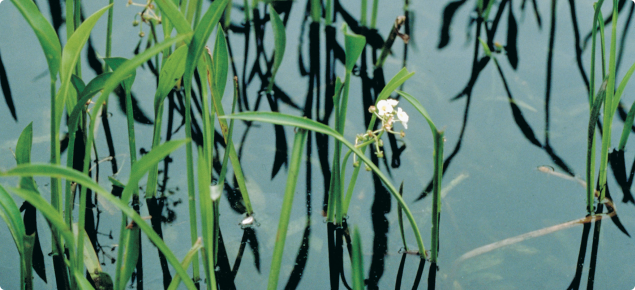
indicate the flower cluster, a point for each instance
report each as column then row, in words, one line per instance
column 388, row 112
column 146, row 15
column 385, row 111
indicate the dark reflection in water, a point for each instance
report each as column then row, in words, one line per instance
column 325, row 58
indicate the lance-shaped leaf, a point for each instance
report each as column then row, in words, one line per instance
column 357, row 261
column 10, row 213
column 45, row 34
column 283, row 119
column 220, row 64
column 280, row 42
column 53, row 216
column 172, row 12
column 70, row 57
column 114, row 63
column 201, row 35
column 186, row 263
column 353, row 45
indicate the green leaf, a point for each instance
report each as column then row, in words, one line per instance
column 56, row 221
column 23, row 156
column 70, row 57
column 45, row 34
column 23, row 148
column 82, row 282
column 27, row 260
column 394, row 83
column 626, row 130
column 412, row 100
column 186, row 263
column 622, row 86
column 93, row 87
column 201, row 35
column 305, row 123
column 220, row 64
column 207, row 217
column 486, row 49
column 285, row 211
column 10, row 213
column 233, row 156
column 90, row 257
column 353, row 45
column 54, row 218
column 144, row 164
column 171, row 72
column 114, row 63
column 280, row 42
column 357, row 261
column 78, row 84
column 127, row 69
column 169, row 9
column 590, row 162
column 131, row 254
column 116, row 182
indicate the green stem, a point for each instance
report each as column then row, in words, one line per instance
column 590, row 171
column 373, row 16
column 334, row 184
column 192, row 5
column 70, row 19
column 349, row 192
column 207, row 220
column 190, row 171
column 316, row 10
column 436, row 197
column 78, row 21
column 282, row 119
column 608, row 105
column 362, row 20
column 285, row 212
column 233, row 157
column 328, row 13
column 109, row 35
column 400, row 220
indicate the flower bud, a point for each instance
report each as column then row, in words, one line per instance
column 135, row 22
column 141, row 34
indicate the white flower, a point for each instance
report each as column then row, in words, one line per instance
column 394, row 102
column 384, row 108
column 403, row 117
column 215, row 192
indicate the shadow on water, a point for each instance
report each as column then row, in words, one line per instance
column 325, row 54
column 511, row 52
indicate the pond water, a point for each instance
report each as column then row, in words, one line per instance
column 500, row 129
